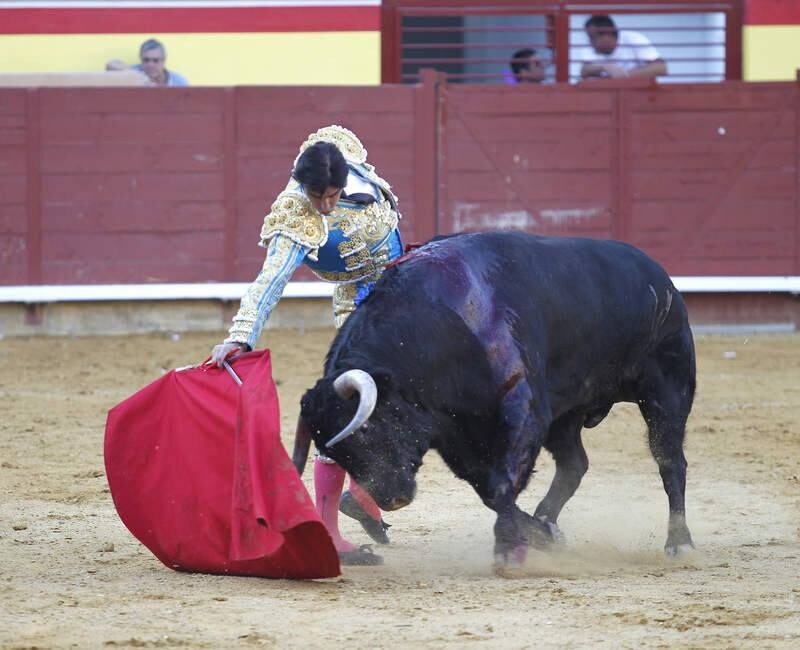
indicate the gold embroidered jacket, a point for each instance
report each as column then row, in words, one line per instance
column 353, row 244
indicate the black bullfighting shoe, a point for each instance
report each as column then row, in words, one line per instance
column 362, row 556
column 349, row 506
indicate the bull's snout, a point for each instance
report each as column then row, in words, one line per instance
column 397, row 503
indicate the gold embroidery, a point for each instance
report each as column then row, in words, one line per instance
column 345, row 225
column 344, row 298
column 348, row 247
column 293, row 216
column 374, row 221
column 345, row 140
column 337, row 276
column 358, row 260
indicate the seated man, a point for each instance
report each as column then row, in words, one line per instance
column 526, row 67
column 153, row 56
column 618, row 53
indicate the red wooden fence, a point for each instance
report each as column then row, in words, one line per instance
column 145, row 185
column 703, row 177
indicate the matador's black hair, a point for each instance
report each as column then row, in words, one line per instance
column 321, row 166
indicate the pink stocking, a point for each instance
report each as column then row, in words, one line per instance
column 328, row 482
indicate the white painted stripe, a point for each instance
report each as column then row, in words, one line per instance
column 737, row 284
column 187, row 4
column 99, row 292
column 234, row 290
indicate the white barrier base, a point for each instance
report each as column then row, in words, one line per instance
column 36, row 294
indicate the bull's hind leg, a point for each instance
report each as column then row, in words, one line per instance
column 666, row 391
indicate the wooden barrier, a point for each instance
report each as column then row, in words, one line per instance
column 170, row 185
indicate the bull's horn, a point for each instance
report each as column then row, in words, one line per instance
column 302, row 443
column 355, row 381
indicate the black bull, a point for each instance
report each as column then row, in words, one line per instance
column 487, row 347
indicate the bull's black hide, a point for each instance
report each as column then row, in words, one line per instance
column 487, row 347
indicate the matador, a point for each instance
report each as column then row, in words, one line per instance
column 340, row 218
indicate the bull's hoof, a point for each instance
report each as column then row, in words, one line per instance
column 541, row 533
column 556, row 534
column 677, row 551
column 508, row 564
column 377, row 530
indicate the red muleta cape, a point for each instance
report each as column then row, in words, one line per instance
column 198, row 474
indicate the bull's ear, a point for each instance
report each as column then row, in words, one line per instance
column 314, row 399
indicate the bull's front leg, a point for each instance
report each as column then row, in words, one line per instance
column 510, row 544
column 520, row 435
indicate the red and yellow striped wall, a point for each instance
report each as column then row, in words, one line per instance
column 289, row 42
column 771, row 40
column 284, row 42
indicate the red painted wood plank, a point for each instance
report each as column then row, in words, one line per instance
column 718, row 127
column 527, row 128
column 90, row 101
column 12, row 101
column 425, row 157
column 744, row 244
column 58, row 128
column 654, row 148
column 479, row 186
column 230, row 182
column 290, row 130
column 662, row 247
column 676, row 215
column 13, row 189
column 705, row 183
column 80, row 253
column 111, row 157
column 33, row 185
column 550, row 217
column 13, row 159
column 766, row 183
column 777, row 156
column 133, row 271
column 592, row 153
column 330, row 99
column 526, row 101
column 145, row 215
column 13, row 259
column 730, row 96
column 176, row 186
column 12, row 130
column 12, row 219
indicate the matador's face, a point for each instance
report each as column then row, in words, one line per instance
column 325, row 203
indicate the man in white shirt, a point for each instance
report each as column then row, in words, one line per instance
column 615, row 54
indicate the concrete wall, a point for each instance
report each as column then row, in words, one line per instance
column 122, row 317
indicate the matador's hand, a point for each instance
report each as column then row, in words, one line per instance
column 221, row 351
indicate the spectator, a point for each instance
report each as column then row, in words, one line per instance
column 526, row 67
column 153, row 56
column 618, row 53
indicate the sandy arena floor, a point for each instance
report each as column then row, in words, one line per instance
column 72, row 576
